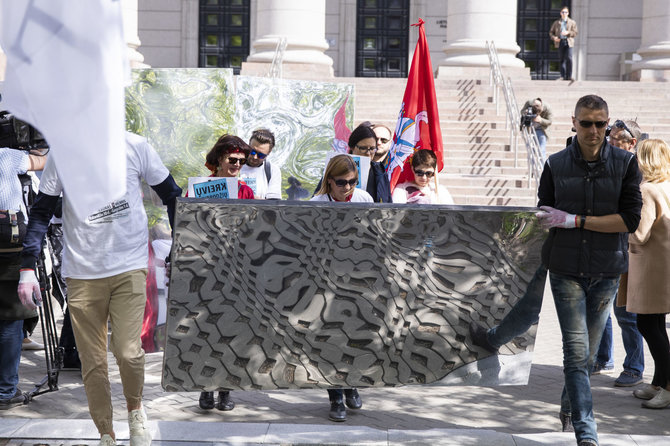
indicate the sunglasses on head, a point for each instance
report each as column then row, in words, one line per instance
column 258, row 154
column 240, row 161
column 588, row 124
column 342, row 183
column 622, row 125
column 426, row 173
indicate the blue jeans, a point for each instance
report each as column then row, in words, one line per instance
column 632, row 342
column 605, row 355
column 523, row 314
column 565, row 57
column 542, row 141
column 582, row 306
column 11, row 338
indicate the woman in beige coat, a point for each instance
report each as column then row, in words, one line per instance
column 648, row 290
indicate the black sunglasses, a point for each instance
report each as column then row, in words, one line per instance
column 622, row 125
column 421, row 173
column 587, row 124
column 342, row 183
column 260, row 155
column 240, row 161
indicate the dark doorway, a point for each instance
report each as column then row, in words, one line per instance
column 382, row 34
column 224, row 33
column 532, row 34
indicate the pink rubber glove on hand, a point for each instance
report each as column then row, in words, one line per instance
column 29, row 287
column 555, row 218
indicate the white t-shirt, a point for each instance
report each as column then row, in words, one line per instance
column 114, row 239
column 409, row 192
column 359, row 196
column 263, row 190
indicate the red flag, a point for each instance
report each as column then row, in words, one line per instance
column 418, row 124
column 341, row 141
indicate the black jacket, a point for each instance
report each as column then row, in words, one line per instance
column 610, row 185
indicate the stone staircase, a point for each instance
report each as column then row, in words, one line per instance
column 480, row 166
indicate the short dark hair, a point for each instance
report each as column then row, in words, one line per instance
column 225, row 144
column 424, row 157
column 592, row 102
column 263, row 136
column 360, row 133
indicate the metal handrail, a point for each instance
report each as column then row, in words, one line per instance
column 513, row 118
column 276, row 66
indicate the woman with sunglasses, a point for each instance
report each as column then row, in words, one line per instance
column 648, row 289
column 226, row 159
column 339, row 184
column 422, row 190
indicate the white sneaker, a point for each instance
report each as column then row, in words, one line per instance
column 107, row 440
column 646, row 393
column 139, row 434
column 29, row 344
column 660, row 401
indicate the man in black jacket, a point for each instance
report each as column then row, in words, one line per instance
column 590, row 197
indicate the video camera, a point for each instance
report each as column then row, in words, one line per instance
column 527, row 117
column 17, row 134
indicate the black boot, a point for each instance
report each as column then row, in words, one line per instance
column 337, row 411
column 352, row 399
column 479, row 336
column 206, row 401
column 223, row 402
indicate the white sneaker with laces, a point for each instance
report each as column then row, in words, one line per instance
column 139, row 434
column 107, row 440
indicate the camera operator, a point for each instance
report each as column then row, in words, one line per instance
column 537, row 114
column 13, row 311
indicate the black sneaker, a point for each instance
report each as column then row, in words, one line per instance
column 223, row 402
column 18, row 399
column 478, row 334
column 337, row 411
column 206, row 401
column 566, row 422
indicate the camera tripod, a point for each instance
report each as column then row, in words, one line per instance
column 52, row 351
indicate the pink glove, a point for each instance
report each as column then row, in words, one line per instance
column 555, row 218
column 29, row 289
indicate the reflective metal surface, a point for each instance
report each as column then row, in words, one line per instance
column 312, row 295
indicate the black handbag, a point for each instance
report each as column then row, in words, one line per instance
column 12, row 231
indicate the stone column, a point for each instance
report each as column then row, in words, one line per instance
column 655, row 46
column 470, row 23
column 303, row 24
column 135, row 58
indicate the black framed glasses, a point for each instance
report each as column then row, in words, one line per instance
column 370, row 149
column 261, row 156
column 622, row 125
column 424, row 173
column 341, row 183
column 588, row 124
column 240, row 161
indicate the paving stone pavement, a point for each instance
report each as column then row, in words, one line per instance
column 506, row 415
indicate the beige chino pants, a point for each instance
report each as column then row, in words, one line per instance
column 121, row 299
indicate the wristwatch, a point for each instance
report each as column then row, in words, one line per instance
column 582, row 221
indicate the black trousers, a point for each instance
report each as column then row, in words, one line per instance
column 652, row 328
